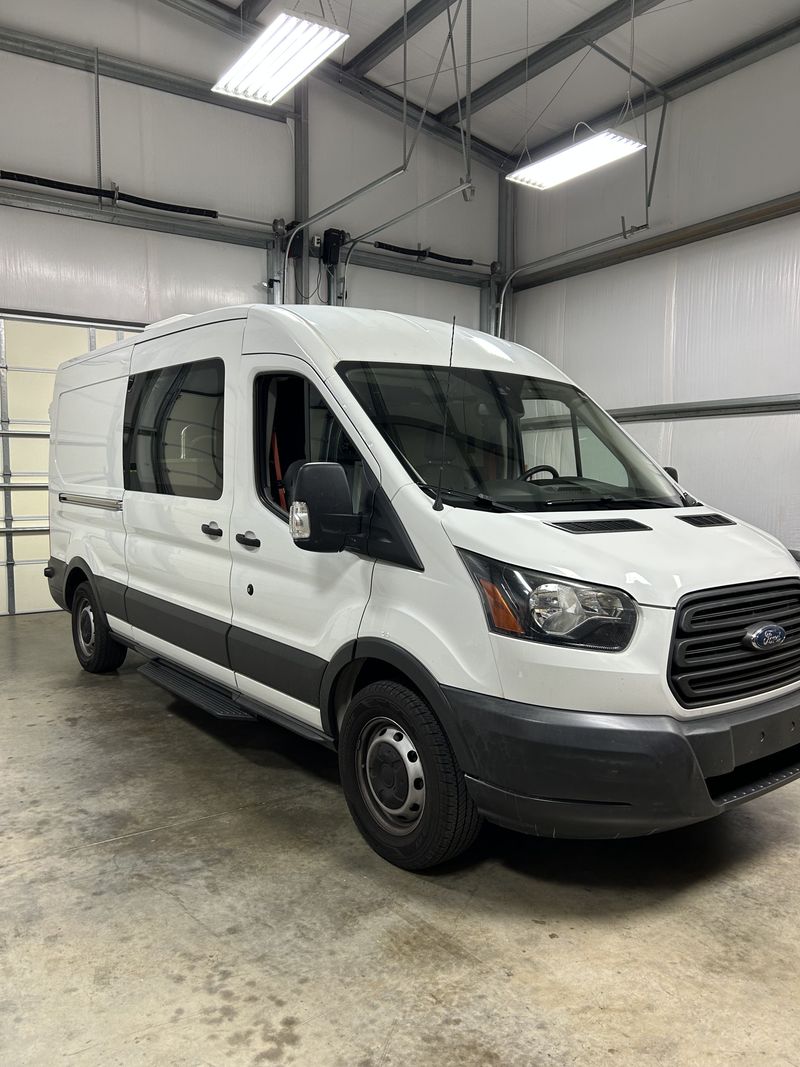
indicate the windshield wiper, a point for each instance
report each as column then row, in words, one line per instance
column 479, row 500
column 633, row 502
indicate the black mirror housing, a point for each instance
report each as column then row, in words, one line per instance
column 321, row 515
column 672, row 472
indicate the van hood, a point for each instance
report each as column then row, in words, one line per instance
column 656, row 566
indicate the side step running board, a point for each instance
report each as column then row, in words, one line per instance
column 223, row 703
column 215, row 701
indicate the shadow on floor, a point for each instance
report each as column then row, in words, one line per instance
column 656, row 866
column 261, row 742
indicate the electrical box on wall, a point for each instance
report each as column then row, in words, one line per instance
column 332, row 242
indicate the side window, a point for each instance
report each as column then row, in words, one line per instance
column 547, row 436
column 598, row 461
column 173, row 432
column 293, row 426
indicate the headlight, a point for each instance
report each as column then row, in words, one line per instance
column 539, row 607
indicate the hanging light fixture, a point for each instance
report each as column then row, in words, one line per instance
column 579, row 158
column 288, row 49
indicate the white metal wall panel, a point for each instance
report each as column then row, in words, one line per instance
column 413, row 296
column 710, row 321
column 169, row 148
column 351, row 144
column 616, row 330
column 721, row 461
column 737, row 314
column 725, row 147
column 49, row 128
column 714, row 320
column 541, row 321
column 54, row 264
column 153, row 144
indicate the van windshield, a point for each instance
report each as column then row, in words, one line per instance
column 510, row 442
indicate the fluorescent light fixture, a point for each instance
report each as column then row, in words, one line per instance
column 579, row 158
column 288, row 49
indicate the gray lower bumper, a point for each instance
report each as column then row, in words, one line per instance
column 577, row 774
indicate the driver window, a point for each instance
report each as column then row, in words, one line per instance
column 547, row 436
column 293, row 426
column 597, row 461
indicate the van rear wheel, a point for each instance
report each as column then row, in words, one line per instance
column 96, row 649
column 402, row 784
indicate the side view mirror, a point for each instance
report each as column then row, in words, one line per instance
column 321, row 515
column 672, row 472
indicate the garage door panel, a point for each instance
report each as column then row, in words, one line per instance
column 44, row 344
column 31, row 591
column 29, row 396
column 30, row 352
column 29, row 455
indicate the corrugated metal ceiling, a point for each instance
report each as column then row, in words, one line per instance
column 670, row 38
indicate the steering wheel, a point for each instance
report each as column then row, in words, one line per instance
column 526, row 477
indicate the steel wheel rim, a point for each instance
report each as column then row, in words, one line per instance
column 390, row 775
column 87, row 635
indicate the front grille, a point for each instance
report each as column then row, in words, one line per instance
column 710, row 662
column 706, row 519
column 589, row 526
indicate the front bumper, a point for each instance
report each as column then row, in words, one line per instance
column 561, row 773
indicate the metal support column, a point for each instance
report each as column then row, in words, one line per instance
column 301, row 210
column 486, row 312
column 98, row 153
column 274, row 282
column 505, row 246
column 5, row 455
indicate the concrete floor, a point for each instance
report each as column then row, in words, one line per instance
column 179, row 891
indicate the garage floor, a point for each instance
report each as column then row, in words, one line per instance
column 176, row 890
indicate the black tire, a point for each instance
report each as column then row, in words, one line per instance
column 96, row 649
column 394, row 757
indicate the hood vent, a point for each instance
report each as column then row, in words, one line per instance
column 590, row 526
column 709, row 519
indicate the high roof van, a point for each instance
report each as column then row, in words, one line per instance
column 428, row 549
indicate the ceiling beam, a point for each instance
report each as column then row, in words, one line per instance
column 216, row 15
column 391, row 104
column 720, row 66
column 575, row 40
column 129, row 70
column 226, row 20
column 249, row 10
column 392, row 38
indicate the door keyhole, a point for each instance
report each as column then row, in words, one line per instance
column 249, row 590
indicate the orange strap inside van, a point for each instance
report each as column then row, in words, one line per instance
column 276, row 459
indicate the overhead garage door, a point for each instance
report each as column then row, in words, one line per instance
column 30, row 351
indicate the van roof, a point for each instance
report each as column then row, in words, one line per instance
column 329, row 335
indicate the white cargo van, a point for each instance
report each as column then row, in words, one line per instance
column 467, row 579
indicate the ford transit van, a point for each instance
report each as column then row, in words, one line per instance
column 428, row 549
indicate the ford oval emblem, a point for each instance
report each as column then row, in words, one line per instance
column 764, row 636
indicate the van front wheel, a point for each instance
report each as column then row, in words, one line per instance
column 401, row 781
column 96, row 649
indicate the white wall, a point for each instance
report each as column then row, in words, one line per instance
column 713, row 320
column 351, row 144
column 166, row 147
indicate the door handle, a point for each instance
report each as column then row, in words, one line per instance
column 248, row 540
column 210, row 529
